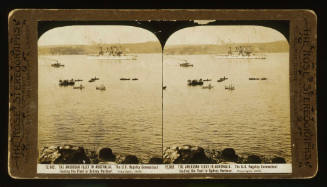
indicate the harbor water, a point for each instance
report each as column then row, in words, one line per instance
column 127, row 116
column 133, row 117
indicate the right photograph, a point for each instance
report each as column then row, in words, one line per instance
column 226, row 96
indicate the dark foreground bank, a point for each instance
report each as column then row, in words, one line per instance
column 185, row 154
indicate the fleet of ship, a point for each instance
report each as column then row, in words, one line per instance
column 116, row 53
column 112, row 53
column 57, row 65
column 241, row 52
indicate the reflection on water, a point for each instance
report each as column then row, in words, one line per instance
column 253, row 118
column 127, row 116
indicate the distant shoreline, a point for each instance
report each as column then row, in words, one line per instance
column 155, row 47
column 158, row 53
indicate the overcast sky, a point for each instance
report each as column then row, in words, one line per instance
column 224, row 34
column 76, row 35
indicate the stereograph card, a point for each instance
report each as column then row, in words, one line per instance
column 192, row 94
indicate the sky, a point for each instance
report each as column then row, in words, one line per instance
column 84, row 35
column 224, row 34
column 81, row 35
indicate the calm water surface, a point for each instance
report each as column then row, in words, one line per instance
column 127, row 117
column 254, row 118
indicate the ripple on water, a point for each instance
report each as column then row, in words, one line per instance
column 128, row 116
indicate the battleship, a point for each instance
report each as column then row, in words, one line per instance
column 112, row 53
column 241, row 52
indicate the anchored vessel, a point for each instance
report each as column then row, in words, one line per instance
column 93, row 79
column 207, row 80
column 125, row 79
column 112, row 53
column 194, row 82
column 67, row 82
column 241, row 52
column 230, row 87
column 256, row 78
column 79, row 87
column 186, row 64
column 57, row 65
column 222, row 79
column 207, row 87
column 101, row 87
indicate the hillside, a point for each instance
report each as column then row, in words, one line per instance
column 147, row 47
column 154, row 47
column 271, row 47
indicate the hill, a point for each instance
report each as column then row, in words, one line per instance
column 271, row 47
column 155, row 47
column 147, row 47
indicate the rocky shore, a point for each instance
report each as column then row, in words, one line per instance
column 186, row 154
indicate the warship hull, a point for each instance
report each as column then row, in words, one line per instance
column 239, row 57
column 127, row 57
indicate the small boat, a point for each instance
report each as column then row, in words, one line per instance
column 101, row 87
column 230, row 87
column 93, row 79
column 67, row 82
column 222, row 79
column 263, row 78
column 195, row 82
column 207, row 80
column 79, row 87
column 57, row 65
column 164, row 87
column 254, row 78
column 135, row 79
column 125, row 79
column 186, row 64
column 78, row 80
column 207, row 87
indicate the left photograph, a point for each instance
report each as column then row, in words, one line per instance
column 99, row 95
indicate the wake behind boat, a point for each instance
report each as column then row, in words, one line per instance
column 112, row 53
